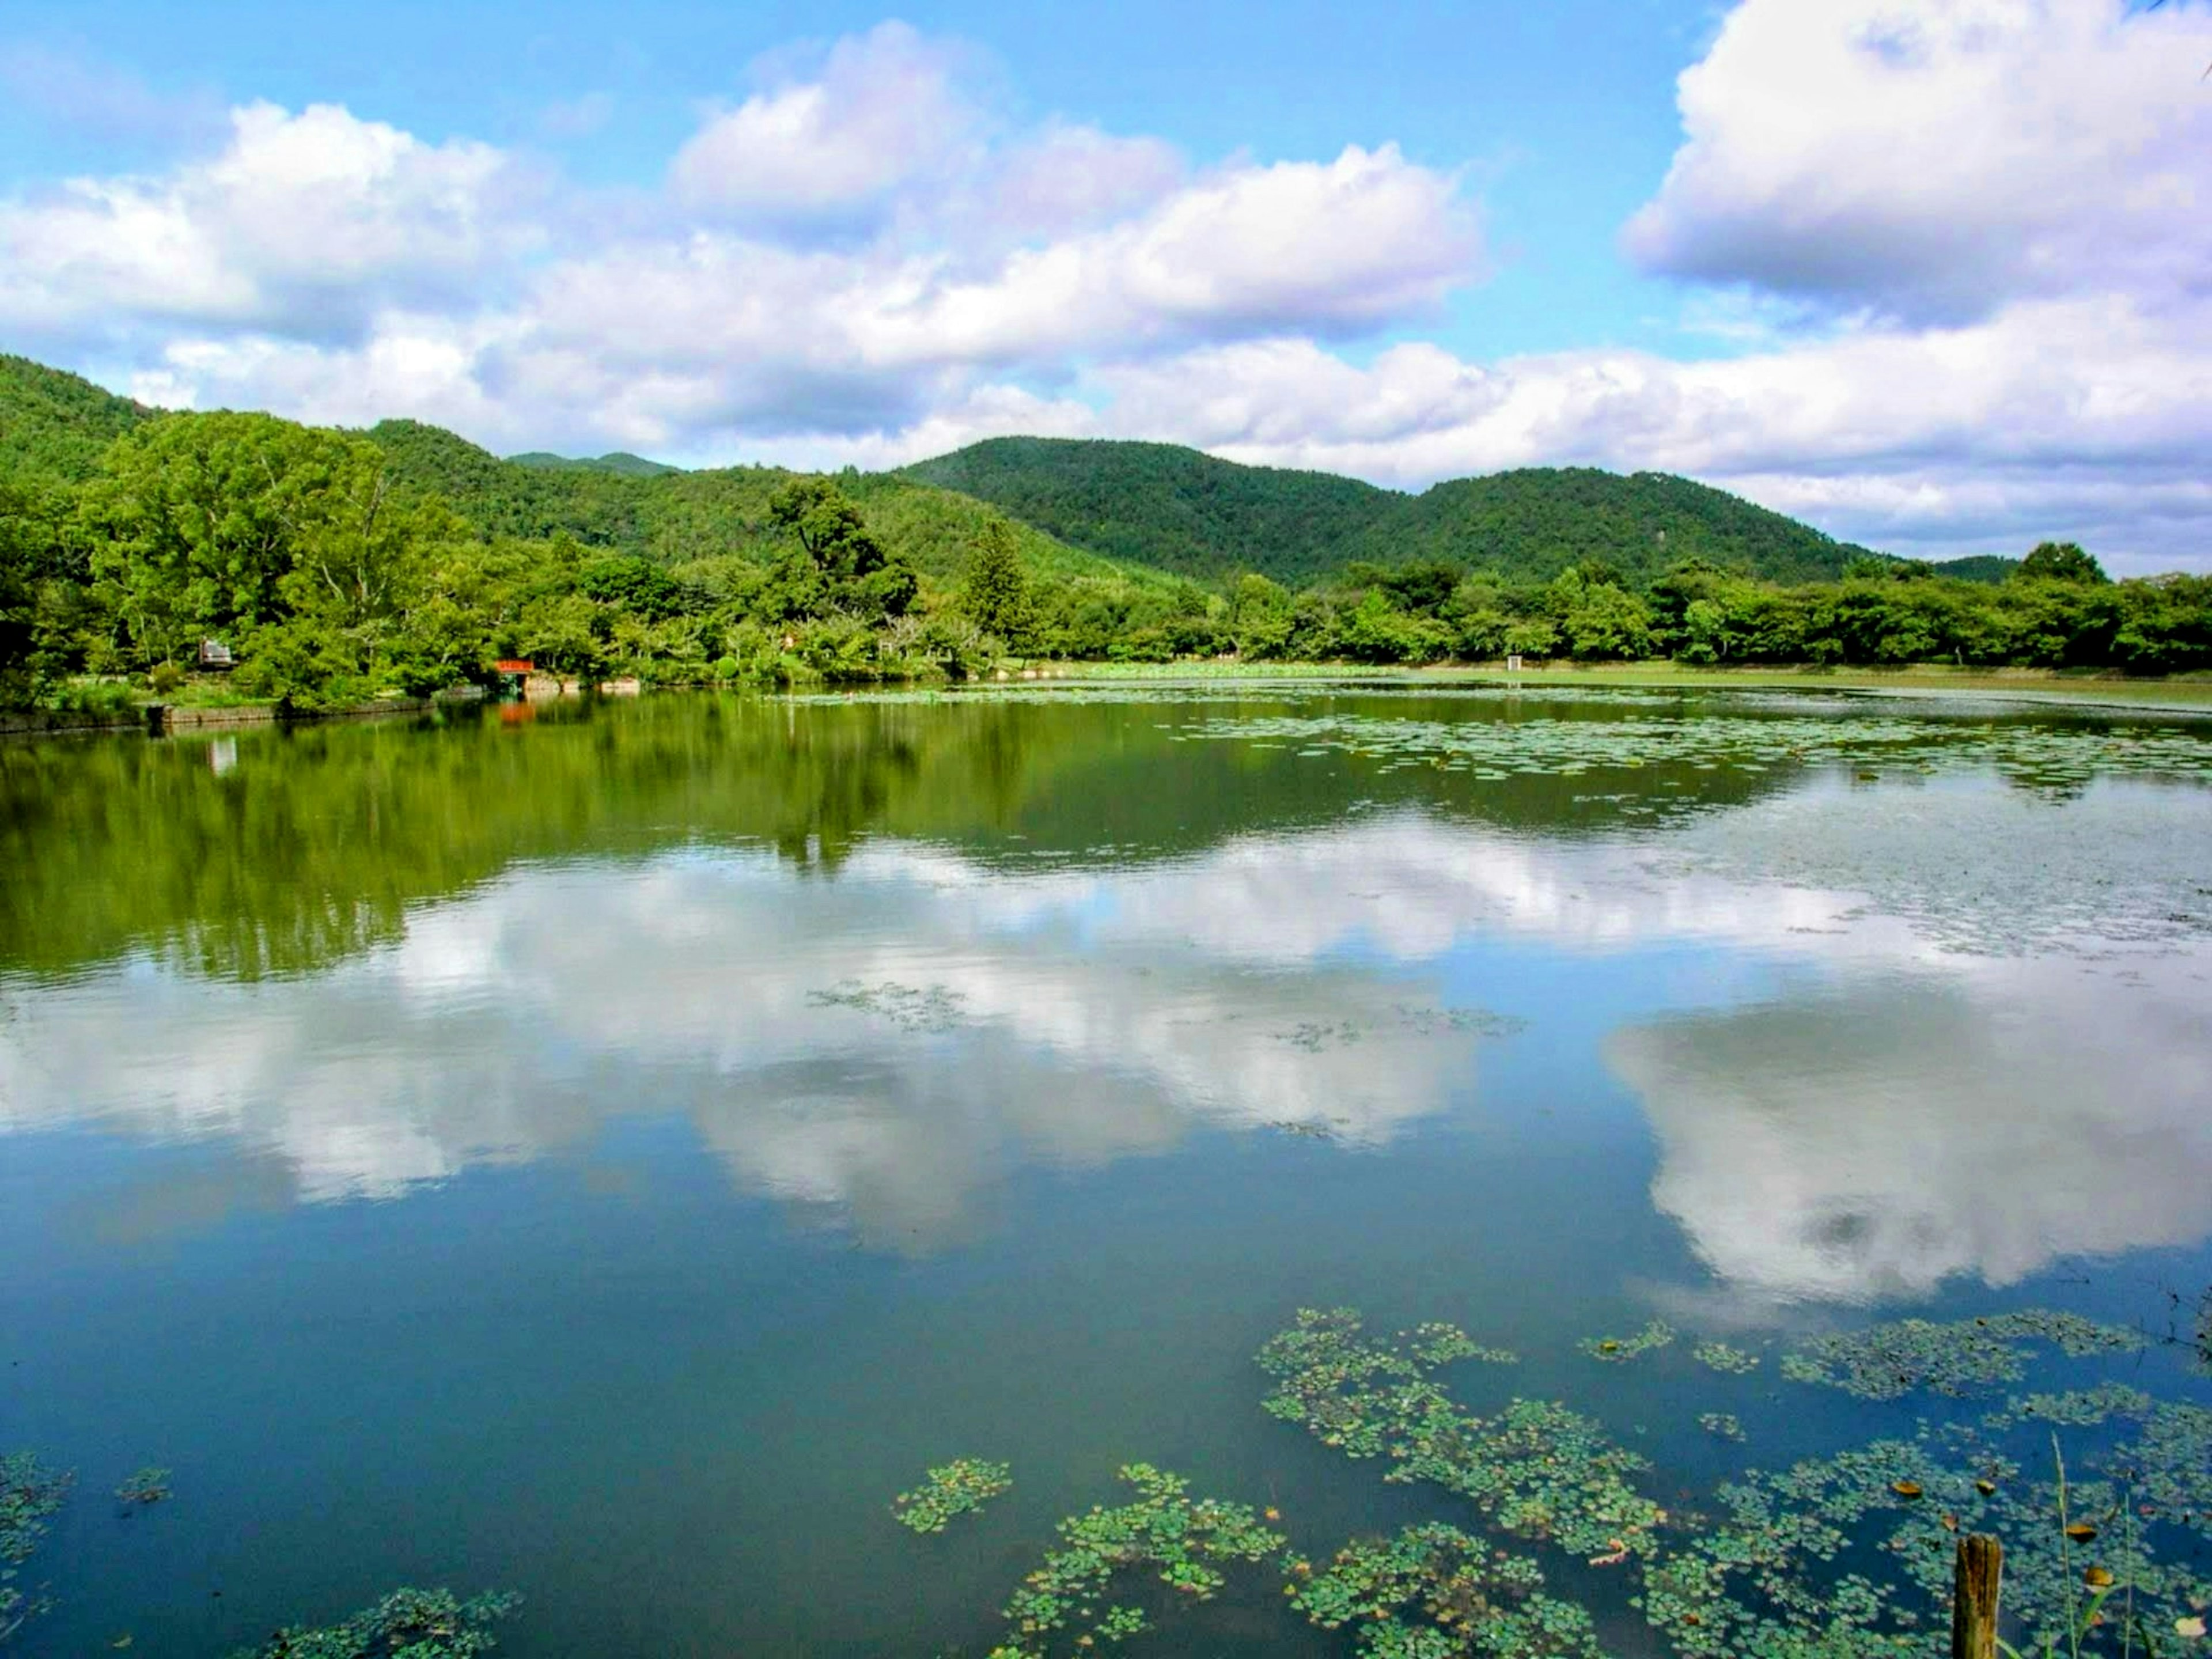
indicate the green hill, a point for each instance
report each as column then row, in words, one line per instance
column 53, row 425
column 1535, row 522
column 1162, row 505
column 679, row 517
column 620, row 461
column 1180, row 510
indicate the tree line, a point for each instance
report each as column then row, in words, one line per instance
column 332, row 579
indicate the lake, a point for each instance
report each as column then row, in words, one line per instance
column 607, row 1151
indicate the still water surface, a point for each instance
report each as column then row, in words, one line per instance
column 607, row 1155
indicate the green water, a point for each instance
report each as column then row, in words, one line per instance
column 607, row 1151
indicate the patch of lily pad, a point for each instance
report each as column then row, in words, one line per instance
column 925, row 1008
column 1184, row 1543
column 1614, row 1350
column 1719, row 1357
column 408, row 1624
column 30, row 1492
column 1434, row 1592
column 960, row 1487
column 1537, row 1470
column 1961, row 1358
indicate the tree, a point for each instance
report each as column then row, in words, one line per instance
column 852, row 570
column 224, row 523
column 2060, row 562
column 995, row 592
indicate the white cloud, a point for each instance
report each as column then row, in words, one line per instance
column 1933, row 160
column 1963, row 243
column 884, row 110
column 302, row 224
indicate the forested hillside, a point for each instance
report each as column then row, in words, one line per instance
column 1180, row 510
column 337, row 567
column 1174, row 508
column 54, row 426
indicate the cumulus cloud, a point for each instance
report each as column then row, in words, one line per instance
column 302, row 225
column 884, row 110
column 1933, row 160
column 1956, row 252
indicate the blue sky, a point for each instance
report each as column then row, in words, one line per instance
column 1930, row 274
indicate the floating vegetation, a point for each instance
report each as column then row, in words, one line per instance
column 1719, row 1357
column 408, row 1624
column 1316, row 1036
column 1314, row 1039
column 910, row 1007
column 2079, row 1408
column 1304, row 1128
column 1705, row 737
column 1615, row 1349
column 1439, row 1344
column 1186, row 1542
column 1538, row 1470
column 146, row 1486
column 1433, row 1592
column 964, row 1484
column 1481, row 1021
column 29, row 1493
column 1722, row 1426
column 1963, row 1358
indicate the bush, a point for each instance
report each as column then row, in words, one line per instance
column 165, row 677
column 725, row 668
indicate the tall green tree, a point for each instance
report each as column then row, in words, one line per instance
column 994, row 590
column 2060, row 562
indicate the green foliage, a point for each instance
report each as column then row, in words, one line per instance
column 30, row 1492
column 960, row 1487
column 1538, row 1470
column 54, row 426
column 1658, row 1334
column 1719, row 1357
column 340, row 566
column 2060, row 562
column 1433, row 1592
column 996, row 593
column 408, row 1624
column 1965, row 1357
column 145, row 1486
column 1167, row 506
column 1186, row 1544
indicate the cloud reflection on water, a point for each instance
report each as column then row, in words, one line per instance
column 1907, row 1113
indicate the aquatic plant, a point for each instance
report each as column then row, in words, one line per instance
column 1614, row 1349
column 1964, row 1357
column 1538, row 1470
column 145, row 1486
column 1433, row 1592
column 29, row 1493
column 1186, row 1541
column 932, row 1008
column 408, row 1624
column 1719, row 1357
column 1721, row 1424
column 964, row 1484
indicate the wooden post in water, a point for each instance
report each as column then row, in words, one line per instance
column 1974, row 1602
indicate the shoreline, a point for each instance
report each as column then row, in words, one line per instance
column 2031, row 687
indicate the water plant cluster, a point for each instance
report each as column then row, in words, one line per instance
column 930, row 1008
column 960, row 1487
column 29, row 1493
column 408, row 1624
column 1961, row 1358
column 1657, row 1333
column 1538, row 1470
column 1186, row 1543
column 1708, row 739
column 1434, row 1592
column 1727, row 1360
